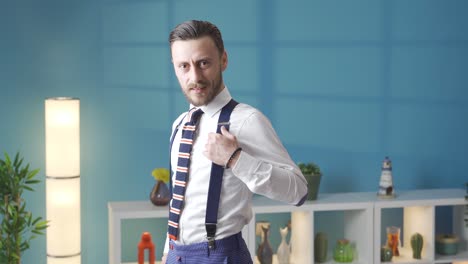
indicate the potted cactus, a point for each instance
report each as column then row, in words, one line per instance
column 313, row 175
column 417, row 243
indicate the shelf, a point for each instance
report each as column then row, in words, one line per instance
column 137, row 209
column 406, row 256
column 331, row 261
column 358, row 218
column 275, row 261
column 461, row 256
column 430, row 197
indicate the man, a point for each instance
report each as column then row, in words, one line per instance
column 249, row 158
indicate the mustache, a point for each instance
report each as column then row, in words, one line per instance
column 196, row 85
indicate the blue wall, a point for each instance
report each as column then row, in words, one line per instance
column 345, row 83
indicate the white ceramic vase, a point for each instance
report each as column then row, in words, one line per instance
column 283, row 251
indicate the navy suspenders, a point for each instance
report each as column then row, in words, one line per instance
column 216, row 180
column 216, row 177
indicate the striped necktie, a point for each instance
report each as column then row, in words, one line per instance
column 182, row 170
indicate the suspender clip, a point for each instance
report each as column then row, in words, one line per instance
column 210, row 235
column 224, row 123
column 211, row 243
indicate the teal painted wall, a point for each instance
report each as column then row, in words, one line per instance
column 345, row 83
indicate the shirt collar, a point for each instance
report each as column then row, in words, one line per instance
column 217, row 103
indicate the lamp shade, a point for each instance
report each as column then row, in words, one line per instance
column 62, row 124
column 62, row 137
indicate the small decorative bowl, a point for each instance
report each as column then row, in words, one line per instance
column 446, row 244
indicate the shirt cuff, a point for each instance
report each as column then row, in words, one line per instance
column 244, row 166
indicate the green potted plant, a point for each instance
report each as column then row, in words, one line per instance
column 18, row 226
column 313, row 175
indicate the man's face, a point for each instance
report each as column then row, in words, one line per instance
column 198, row 67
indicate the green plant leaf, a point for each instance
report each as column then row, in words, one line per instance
column 42, row 225
column 32, row 181
column 29, row 219
column 24, row 246
column 15, row 162
column 309, row 168
column 23, row 208
column 15, row 256
column 11, row 209
column 36, row 220
column 37, row 232
column 26, row 187
column 7, row 160
column 32, row 174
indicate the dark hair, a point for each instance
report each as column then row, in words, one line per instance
column 195, row 29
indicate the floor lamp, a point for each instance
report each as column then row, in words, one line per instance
column 62, row 132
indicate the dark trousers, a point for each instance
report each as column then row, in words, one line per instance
column 229, row 250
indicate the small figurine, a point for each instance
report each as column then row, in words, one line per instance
column 386, row 181
column 146, row 243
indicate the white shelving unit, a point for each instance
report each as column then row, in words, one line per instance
column 360, row 222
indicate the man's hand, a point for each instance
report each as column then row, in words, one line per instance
column 219, row 147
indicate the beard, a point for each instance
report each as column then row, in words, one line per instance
column 210, row 90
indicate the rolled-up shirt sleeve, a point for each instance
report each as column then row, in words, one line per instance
column 264, row 165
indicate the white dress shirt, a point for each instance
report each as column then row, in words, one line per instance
column 263, row 167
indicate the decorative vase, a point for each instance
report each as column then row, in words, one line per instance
column 264, row 251
column 393, row 239
column 417, row 245
column 259, row 230
column 320, row 247
column 283, row 251
column 313, row 184
column 343, row 251
column 386, row 254
column 160, row 194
